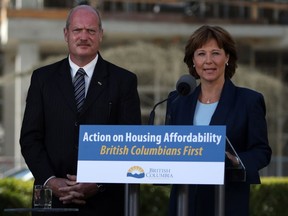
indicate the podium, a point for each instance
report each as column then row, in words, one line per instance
column 232, row 174
column 151, row 154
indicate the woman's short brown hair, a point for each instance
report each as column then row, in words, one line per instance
column 223, row 39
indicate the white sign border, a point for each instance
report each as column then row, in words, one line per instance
column 154, row 172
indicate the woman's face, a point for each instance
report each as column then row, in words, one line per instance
column 210, row 61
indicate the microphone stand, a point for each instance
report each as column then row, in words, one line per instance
column 132, row 192
column 152, row 114
column 220, row 200
column 182, row 200
column 185, row 85
column 182, row 192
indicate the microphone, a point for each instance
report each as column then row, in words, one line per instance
column 184, row 86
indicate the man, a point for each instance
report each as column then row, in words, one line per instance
column 49, row 134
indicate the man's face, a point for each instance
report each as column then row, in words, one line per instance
column 83, row 36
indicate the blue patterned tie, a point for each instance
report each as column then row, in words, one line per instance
column 79, row 88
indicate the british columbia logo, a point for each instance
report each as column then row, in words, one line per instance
column 136, row 172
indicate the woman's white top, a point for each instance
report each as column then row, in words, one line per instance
column 203, row 113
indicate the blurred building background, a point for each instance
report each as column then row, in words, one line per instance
column 148, row 38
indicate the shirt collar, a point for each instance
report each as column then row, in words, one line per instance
column 89, row 68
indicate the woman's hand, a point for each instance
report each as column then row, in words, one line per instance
column 235, row 160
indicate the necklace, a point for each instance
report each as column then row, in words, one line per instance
column 210, row 100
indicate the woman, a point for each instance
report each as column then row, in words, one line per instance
column 211, row 57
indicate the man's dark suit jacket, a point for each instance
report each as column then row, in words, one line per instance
column 243, row 112
column 49, row 134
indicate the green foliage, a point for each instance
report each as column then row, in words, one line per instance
column 270, row 198
column 267, row 199
column 154, row 200
column 15, row 193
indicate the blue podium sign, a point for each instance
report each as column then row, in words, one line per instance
column 151, row 154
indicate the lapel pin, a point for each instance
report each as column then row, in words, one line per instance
column 99, row 83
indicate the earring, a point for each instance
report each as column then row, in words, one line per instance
column 226, row 63
column 193, row 66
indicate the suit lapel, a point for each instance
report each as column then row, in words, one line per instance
column 188, row 114
column 99, row 82
column 65, row 84
column 185, row 108
column 225, row 104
